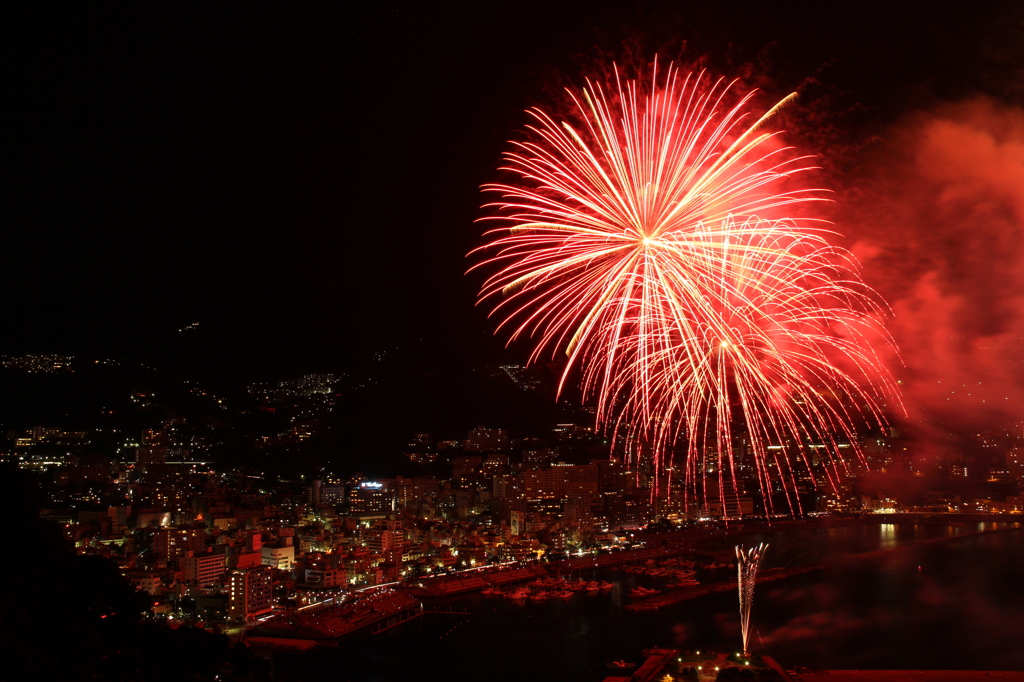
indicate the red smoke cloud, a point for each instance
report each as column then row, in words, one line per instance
column 940, row 226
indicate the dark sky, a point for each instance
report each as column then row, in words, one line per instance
column 304, row 185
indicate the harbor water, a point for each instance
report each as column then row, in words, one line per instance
column 937, row 597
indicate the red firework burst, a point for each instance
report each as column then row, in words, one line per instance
column 647, row 240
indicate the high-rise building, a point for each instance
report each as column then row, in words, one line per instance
column 175, row 543
column 329, row 493
column 725, row 498
column 410, row 492
column 507, row 486
column 562, row 481
column 627, row 510
column 508, row 496
column 250, row 593
column 371, row 496
column 203, row 569
column 385, row 535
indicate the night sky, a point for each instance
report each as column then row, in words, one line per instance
column 305, row 185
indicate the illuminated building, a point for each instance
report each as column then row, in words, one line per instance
column 561, row 481
column 540, row 456
column 250, row 593
column 507, row 496
column 279, row 556
column 495, row 464
column 572, row 432
column 370, row 497
column 627, row 510
column 329, row 494
column 410, row 492
column 883, row 505
column 724, row 498
column 175, row 543
column 385, row 535
column 484, row 439
column 327, row 577
column 203, row 569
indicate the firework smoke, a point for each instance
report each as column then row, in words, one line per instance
column 940, row 222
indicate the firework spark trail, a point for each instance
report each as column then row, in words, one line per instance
column 747, row 563
column 644, row 242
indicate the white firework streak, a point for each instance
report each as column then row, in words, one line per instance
column 747, row 562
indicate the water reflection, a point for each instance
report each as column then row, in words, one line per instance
column 887, row 535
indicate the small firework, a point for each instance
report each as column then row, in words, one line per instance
column 747, row 562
